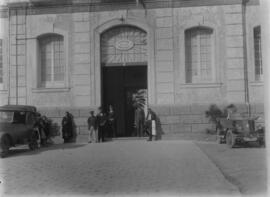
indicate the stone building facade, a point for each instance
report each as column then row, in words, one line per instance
column 59, row 55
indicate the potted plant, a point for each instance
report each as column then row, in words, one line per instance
column 214, row 113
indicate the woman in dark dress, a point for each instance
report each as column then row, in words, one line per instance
column 67, row 127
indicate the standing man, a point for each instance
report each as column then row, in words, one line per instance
column 101, row 123
column 92, row 127
column 67, row 127
column 151, row 116
column 111, row 122
column 139, row 121
column 40, row 125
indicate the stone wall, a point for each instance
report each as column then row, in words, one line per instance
column 166, row 49
column 173, row 120
column 177, row 119
column 180, row 106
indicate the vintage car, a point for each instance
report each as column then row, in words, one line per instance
column 17, row 126
column 239, row 131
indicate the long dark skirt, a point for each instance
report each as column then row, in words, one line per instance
column 67, row 134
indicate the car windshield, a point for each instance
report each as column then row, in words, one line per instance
column 6, row 116
column 17, row 117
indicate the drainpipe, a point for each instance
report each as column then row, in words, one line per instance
column 9, row 45
column 246, row 83
column 16, row 58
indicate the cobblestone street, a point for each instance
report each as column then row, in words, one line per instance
column 113, row 168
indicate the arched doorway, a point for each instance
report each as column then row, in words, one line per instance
column 124, row 72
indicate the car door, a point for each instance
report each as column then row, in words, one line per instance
column 29, row 123
column 19, row 126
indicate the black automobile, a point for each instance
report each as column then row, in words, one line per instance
column 17, row 126
column 239, row 131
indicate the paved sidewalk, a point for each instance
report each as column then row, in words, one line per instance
column 114, row 168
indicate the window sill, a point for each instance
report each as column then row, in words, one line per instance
column 256, row 83
column 56, row 90
column 2, row 90
column 201, row 85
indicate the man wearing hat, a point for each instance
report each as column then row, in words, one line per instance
column 92, row 127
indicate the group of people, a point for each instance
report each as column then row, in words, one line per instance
column 43, row 125
column 103, row 124
column 100, row 123
column 97, row 126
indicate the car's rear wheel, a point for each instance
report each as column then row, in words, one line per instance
column 5, row 145
column 230, row 140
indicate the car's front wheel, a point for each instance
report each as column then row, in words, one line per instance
column 5, row 145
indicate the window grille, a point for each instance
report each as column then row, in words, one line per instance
column 258, row 54
column 52, row 60
column 134, row 50
column 198, row 44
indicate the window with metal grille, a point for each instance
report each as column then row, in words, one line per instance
column 1, row 61
column 198, row 45
column 52, row 60
column 258, row 53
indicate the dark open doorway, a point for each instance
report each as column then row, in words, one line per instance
column 118, row 85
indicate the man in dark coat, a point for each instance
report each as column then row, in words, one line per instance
column 39, row 124
column 139, row 121
column 67, row 127
column 101, row 123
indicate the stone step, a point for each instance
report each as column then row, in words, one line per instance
column 128, row 138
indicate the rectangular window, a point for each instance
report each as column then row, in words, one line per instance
column 52, row 60
column 258, row 54
column 198, row 44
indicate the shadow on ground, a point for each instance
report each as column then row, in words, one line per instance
column 24, row 150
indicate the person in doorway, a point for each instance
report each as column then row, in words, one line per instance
column 92, row 127
column 111, row 122
column 40, row 126
column 139, row 120
column 67, row 127
column 149, row 123
column 101, row 124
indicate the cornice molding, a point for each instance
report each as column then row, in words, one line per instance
column 34, row 7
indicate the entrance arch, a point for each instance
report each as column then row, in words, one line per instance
column 123, row 53
column 96, row 60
